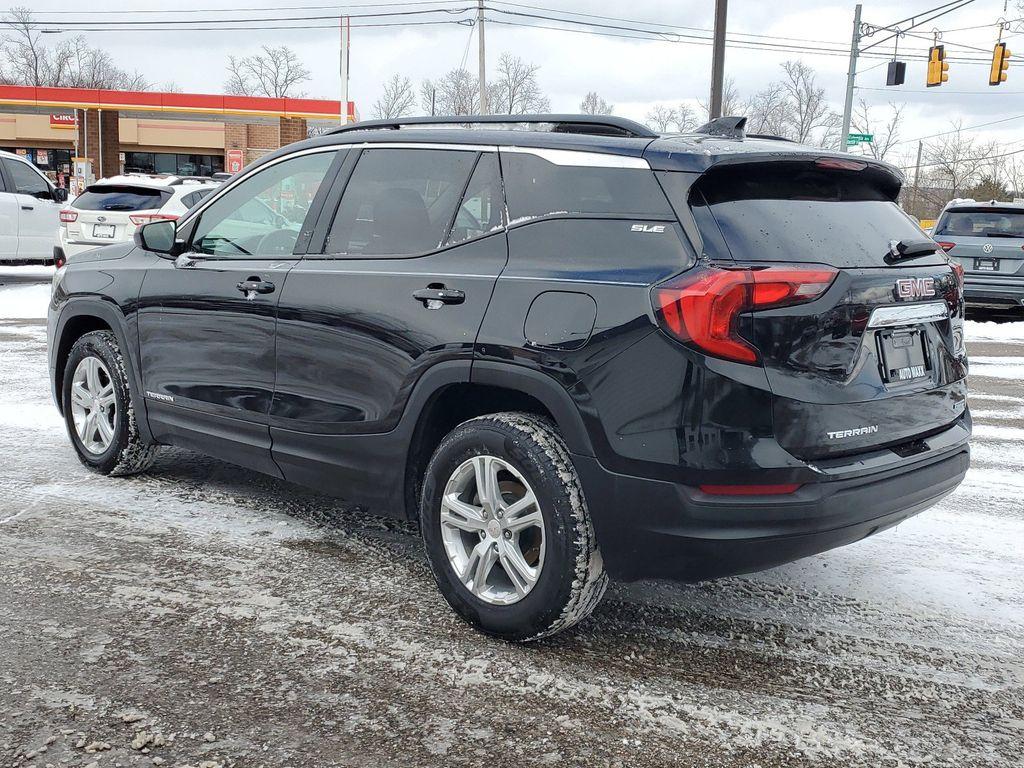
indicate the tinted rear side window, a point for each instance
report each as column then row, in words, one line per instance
column 797, row 212
column 982, row 222
column 400, row 202
column 120, row 198
column 535, row 186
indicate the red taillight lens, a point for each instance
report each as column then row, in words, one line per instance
column 703, row 307
column 750, row 490
column 958, row 270
column 67, row 216
column 144, row 218
column 60, row 260
column 945, row 245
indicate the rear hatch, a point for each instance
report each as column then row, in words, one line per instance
column 110, row 213
column 988, row 241
column 856, row 316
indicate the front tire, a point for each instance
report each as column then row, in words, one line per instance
column 507, row 530
column 98, row 409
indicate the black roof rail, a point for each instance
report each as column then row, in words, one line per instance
column 771, row 136
column 601, row 125
column 729, row 127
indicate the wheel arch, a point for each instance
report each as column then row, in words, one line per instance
column 442, row 400
column 85, row 315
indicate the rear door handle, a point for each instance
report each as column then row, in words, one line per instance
column 255, row 285
column 434, row 298
column 28, row 207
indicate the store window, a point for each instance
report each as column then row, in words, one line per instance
column 173, row 164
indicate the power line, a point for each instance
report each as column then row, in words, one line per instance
column 957, row 130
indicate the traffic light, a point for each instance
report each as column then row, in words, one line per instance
column 897, row 73
column 937, row 66
column 1000, row 63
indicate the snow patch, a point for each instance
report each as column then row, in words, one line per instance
column 25, row 302
column 975, row 330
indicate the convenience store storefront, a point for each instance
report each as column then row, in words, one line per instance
column 150, row 132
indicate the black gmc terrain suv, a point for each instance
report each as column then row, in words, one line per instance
column 568, row 346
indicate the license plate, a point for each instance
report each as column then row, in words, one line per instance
column 986, row 265
column 903, row 355
column 103, row 230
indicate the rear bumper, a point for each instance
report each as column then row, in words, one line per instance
column 993, row 292
column 656, row 529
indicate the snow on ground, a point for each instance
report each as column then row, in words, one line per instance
column 25, row 302
column 202, row 598
column 976, row 330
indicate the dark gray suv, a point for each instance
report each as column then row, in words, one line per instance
column 987, row 240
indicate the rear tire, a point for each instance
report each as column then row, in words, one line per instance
column 98, row 408
column 522, row 563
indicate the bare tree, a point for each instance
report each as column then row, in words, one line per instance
column 685, row 118
column 515, row 90
column 732, row 104
column 661, row 118
column 455, row 93
column 953, row 164
column 396, row 100
column 276, row 72
column 807, row 108
column 766, row 111
column 886, row 133
column 593, row 104
column 26, row 59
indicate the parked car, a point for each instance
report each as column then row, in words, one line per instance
column 987, row 240
column 29, row 206
column 571, row 353
column 110, row 210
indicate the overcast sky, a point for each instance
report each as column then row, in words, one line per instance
column 632, row 74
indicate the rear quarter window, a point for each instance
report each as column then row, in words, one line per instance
column 120, row 198
column 535, row 186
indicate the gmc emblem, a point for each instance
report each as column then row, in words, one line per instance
column 915, row 287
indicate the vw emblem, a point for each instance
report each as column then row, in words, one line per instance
column 104, row 218
column 987, row 247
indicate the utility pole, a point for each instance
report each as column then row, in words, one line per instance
column 482, row 57
column 851, row 77
column 346, row 32
column 718, row 60
column 917, row 179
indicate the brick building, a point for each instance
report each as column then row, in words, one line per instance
column 124, row 131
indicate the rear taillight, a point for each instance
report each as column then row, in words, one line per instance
column 67, row 216
column 60, row 260
column 703, row 307
column 958, row 270
column 750, row 490
column 145, row 218
column 945, row 245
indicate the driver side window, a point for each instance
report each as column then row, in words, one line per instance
column 263, row 215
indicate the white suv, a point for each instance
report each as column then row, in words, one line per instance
column 110, row 210
column 29, row 205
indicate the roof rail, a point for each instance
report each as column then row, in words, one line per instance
column 730, row 127
column 601, row 125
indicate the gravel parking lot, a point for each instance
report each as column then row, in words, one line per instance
column 202, row 615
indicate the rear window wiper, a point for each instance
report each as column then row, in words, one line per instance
column 909, row 249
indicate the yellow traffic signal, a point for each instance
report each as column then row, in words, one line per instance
column 1000, row 63
column 937, row 66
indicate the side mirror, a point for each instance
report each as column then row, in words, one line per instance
column 59, row 195
column 158, row 237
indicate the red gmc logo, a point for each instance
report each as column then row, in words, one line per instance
column 915, row 287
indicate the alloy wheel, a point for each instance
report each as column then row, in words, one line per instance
column 93, row 405
column 493, row 530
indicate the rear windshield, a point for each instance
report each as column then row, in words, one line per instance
column 120, row 198
column 798, row 212
column 982, row 222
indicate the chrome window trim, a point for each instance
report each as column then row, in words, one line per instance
column 908, row 314
column 580, row 158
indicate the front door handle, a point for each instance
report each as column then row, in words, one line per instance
column 435, row 298
column 255, row 285
column 28, row 207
